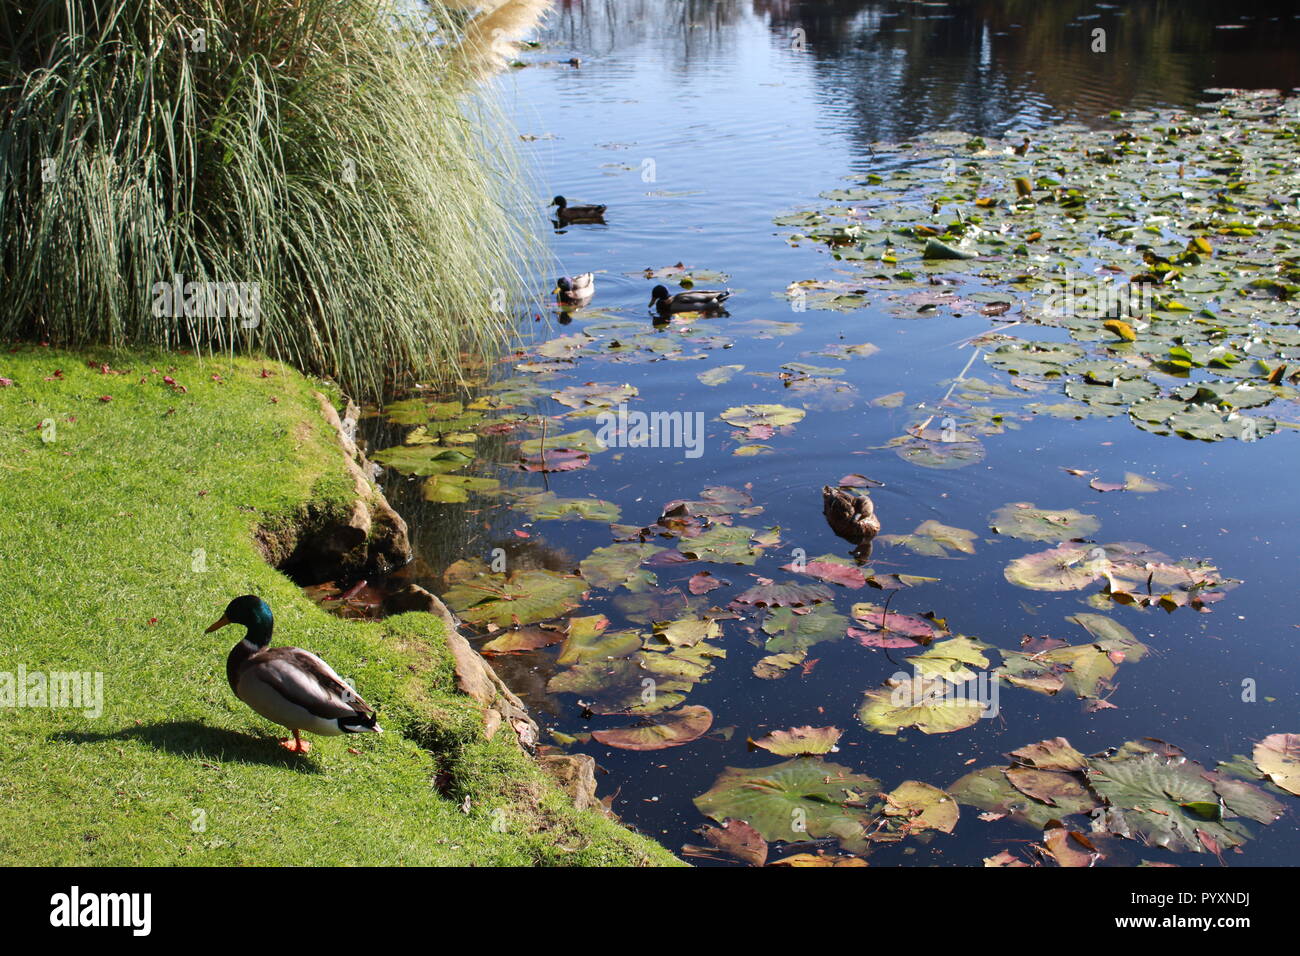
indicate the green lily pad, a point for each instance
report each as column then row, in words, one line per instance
column 747, row 416
column 525, row 597
column 792, row 801
column 795, row 633
column 930, row 704
column 1022, row 519
column 422, row 459
column 799, row 740
column 619, row 565
column 934, row 539
column 547, row 506
column 722, row 544
column 450, row 489
column 1159, row 799
column 913, row 806
column 719, row 375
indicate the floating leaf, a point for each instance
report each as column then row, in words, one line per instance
column 722, row 545
column 594, row 394
column 774, row 666
column 1159, row 799
column 833, row 572
column 584, row 441
column 1278, row 756
column 422, row 459
column 546, row 506
column 930, row 704
column 942, row 455
column 934, row 539
column 1053, row 754
column 736, row 838
column 720, row 375
column 948, row 659
column 800, row 740
column 618, row 565
column 919, row 630
column 671, row 729
column 791, row 632
column 1022, row 519
column 784, row 595
column 555, row 459
column 586, row 640
column 914, row 806
column 687, row 632
column 451, row 489
column 792, row 801
column 523, row 639
column 525, row 597
column 747, row 416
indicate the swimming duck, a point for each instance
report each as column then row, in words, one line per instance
column 694, row 300
column 852, row 517
column 566, row 213
column 577, row 290
column 287, row 685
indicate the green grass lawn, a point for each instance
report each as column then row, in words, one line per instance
column 101, row 529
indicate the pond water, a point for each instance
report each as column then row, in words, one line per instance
column 699, row 124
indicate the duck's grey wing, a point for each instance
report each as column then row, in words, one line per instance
column 306, row 681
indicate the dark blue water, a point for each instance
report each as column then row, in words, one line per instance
column 738, row 127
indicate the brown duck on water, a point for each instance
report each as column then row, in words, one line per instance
column 851, row 516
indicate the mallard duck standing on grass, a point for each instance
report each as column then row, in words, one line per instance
column 693, row 300
column 287, row 685
column 566, row 213
column 575, row 290
column 852, row 517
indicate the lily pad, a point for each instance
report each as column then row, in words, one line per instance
column 1023, row 519
column 671, row 729
column 802, row 798
column 619, row 565
column 452, row 489
column 913, row 806
column 747, row 416
column 800, row 740
column 934, row 539
column 525, row 597
column 930, row 704
column 1278, row 756
column 547, row 506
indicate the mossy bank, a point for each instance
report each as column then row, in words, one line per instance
column 132, row 489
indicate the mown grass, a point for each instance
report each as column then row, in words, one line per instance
column 336, row 156
column 99, row 530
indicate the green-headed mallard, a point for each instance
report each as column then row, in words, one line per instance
column 576, row 290
column 852, row 517
column 693, row 300
column 566, row 213
column 287, row 685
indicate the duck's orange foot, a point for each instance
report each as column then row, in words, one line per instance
column 295, row 745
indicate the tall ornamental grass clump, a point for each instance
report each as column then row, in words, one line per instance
column 320, row 179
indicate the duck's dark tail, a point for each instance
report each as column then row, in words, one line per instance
column 359, row 723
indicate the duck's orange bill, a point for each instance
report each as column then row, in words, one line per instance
column 218, row 624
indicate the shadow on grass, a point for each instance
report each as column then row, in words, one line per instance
column 186, row 738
